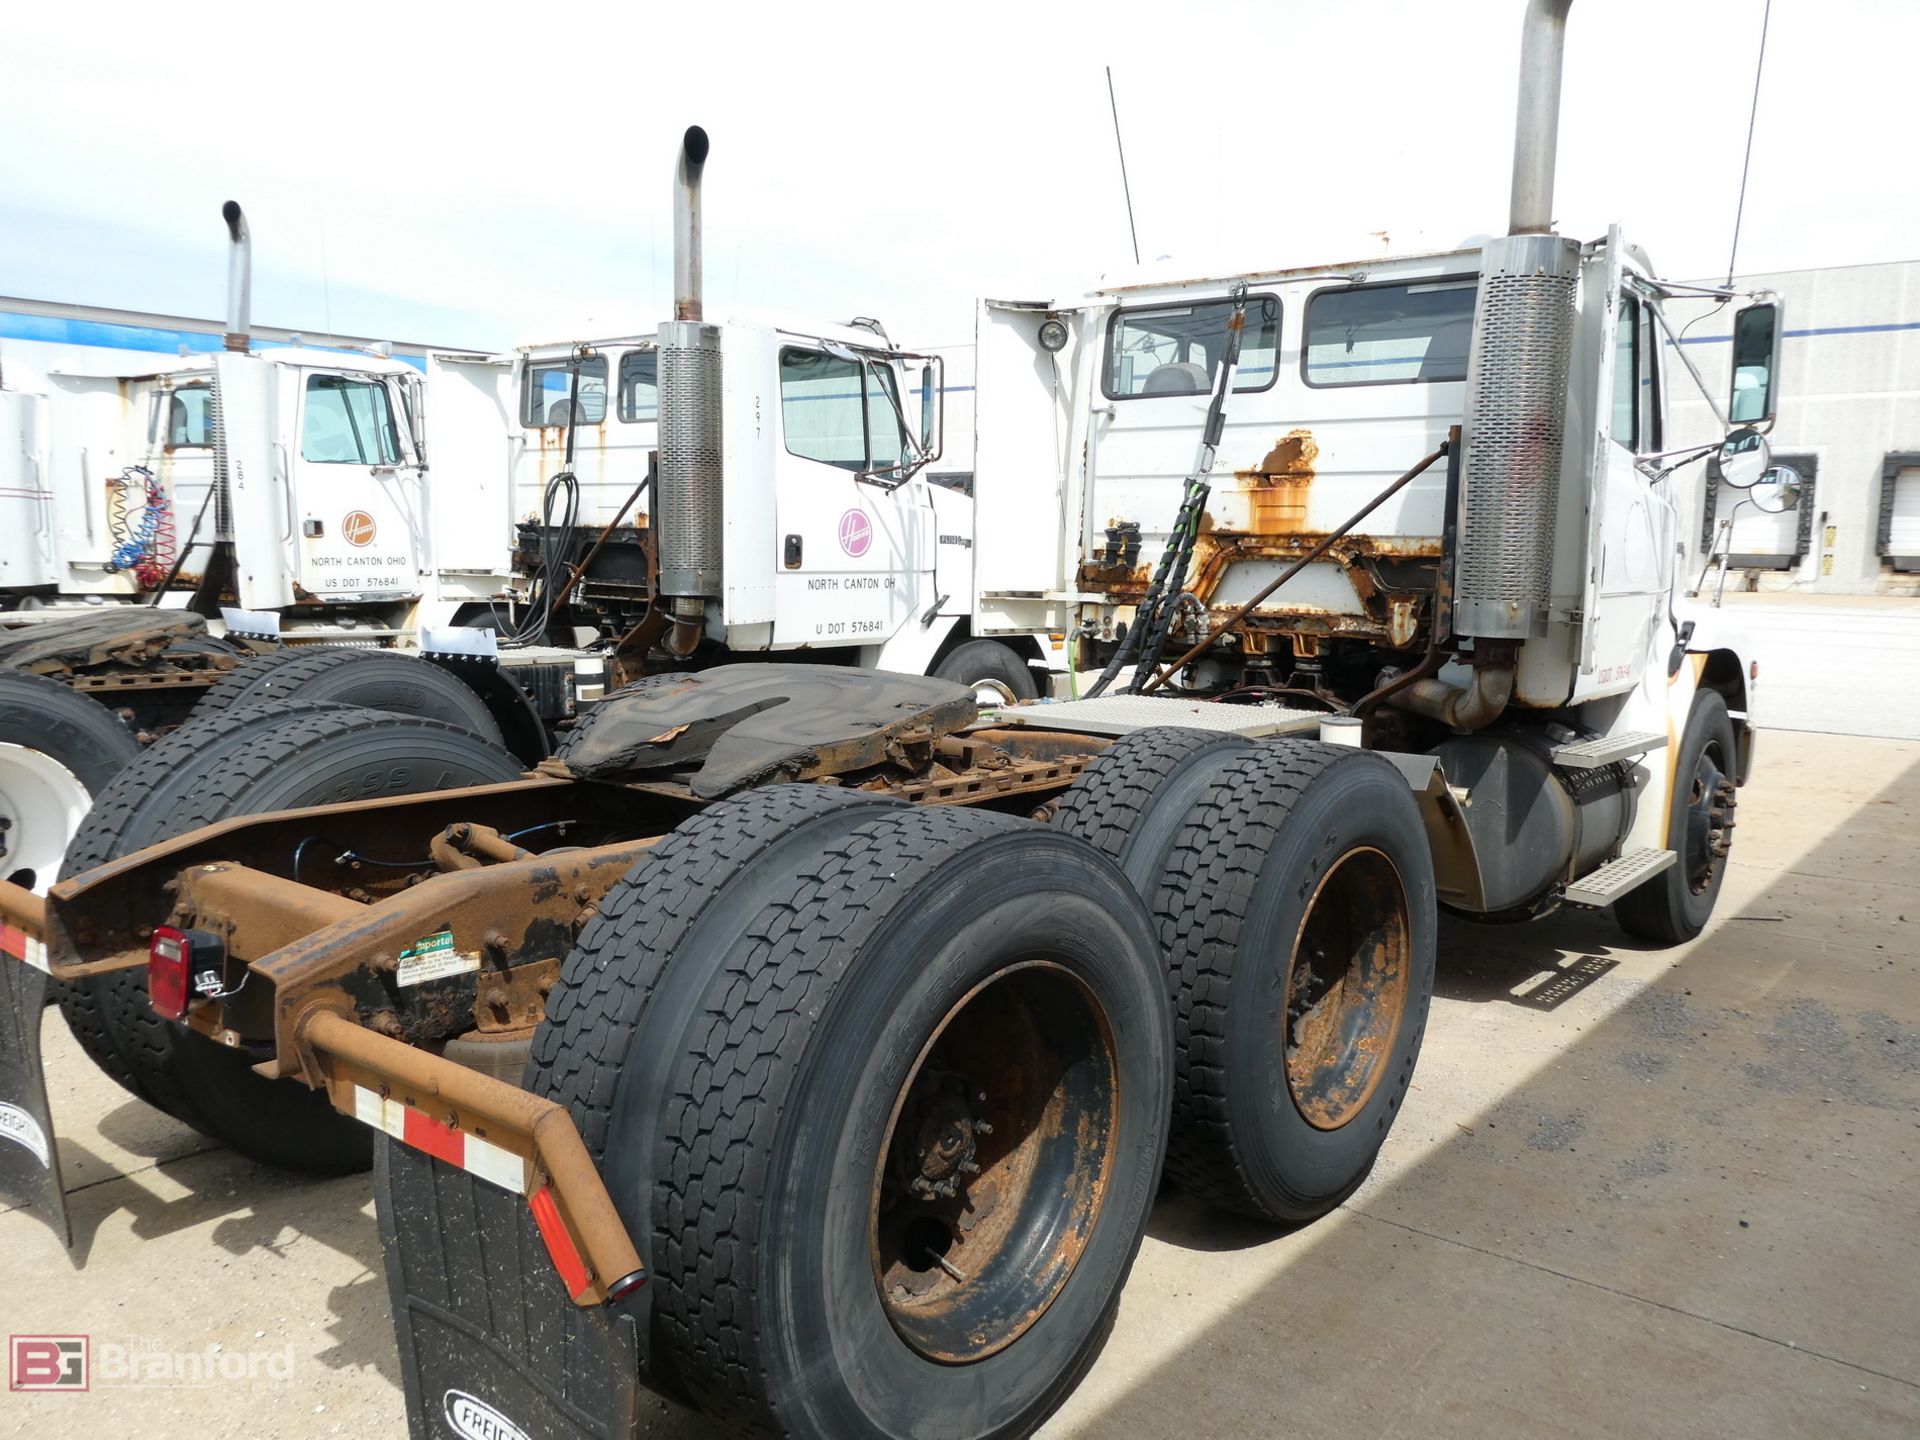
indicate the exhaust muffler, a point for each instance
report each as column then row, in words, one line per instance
column 688, row 506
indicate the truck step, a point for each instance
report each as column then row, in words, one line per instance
column 1617, row 877
column 1123, row 714
column 1606, row 749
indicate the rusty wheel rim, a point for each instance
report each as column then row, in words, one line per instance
column 1346, row 988
column 995, row 1163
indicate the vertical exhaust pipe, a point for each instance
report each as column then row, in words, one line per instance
column 239, row 275
column 686, row 224
column 688, row 498
column 1517, row 373
column 1536, row 126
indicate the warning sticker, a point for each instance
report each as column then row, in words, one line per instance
column 434, row 958
column 21, row 1128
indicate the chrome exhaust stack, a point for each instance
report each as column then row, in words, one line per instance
column 1517, row 372
column 1536, row 126
column 239, row 276
column 688, row 504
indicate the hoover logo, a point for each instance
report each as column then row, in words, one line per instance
column 856, row 533
column 474, row 1419
column 47, row 1362
column 357, row 528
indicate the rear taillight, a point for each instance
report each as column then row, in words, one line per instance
column 183, row 966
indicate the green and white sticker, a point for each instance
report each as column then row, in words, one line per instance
column 432, row 957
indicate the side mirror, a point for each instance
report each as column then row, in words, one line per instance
column 1742, row 459
column 1777, row 491
column 927, row 392
column 1756, row 364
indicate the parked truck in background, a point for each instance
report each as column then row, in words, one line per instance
column 802, row 1046
column 211, row 519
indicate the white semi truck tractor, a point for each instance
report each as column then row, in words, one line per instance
column 805, row 1046
column 824, row 534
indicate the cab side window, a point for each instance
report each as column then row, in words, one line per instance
column 189, row 417
column 348, row 422
column 839, row 412
column 639, row 386
column 1629, row 373
column 549, row 389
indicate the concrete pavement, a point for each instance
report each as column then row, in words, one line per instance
column 1633, row 1193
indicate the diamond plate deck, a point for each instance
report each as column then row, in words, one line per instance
column 1605, row 749
column 1617, row 877
column 1123, row 714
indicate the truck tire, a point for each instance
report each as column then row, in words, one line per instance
column 58, row 749
column 796, row 985
column 341, row 675
column 1129, row 804
column 1676, row 904
column 246, row 761
column 991, row 670
column 1297, row 912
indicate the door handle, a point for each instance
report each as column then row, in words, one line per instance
column 792, row 552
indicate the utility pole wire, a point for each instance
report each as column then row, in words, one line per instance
column 1766, row 16
column 1127, row 189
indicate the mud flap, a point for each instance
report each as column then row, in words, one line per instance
column 29, row 1163
column 491, row 1347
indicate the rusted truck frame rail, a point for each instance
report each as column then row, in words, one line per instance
column 313, row 970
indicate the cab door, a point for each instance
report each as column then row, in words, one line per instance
column 1631, row 533
column 357, row 506
column 851, row 554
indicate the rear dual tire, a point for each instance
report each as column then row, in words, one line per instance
column 1293, row 898
column 347, row 675
column 780, row 1038
column 58, row 749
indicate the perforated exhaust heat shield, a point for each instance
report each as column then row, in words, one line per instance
column 689, row 503
column 1515, row 428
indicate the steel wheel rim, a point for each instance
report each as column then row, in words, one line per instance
column 1346, row 989
column 1033, row 1056
column 41, row 805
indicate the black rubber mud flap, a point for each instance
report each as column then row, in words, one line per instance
column 491, row 1347
column 29, row 1164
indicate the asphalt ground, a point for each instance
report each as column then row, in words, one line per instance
column 1633, row 1192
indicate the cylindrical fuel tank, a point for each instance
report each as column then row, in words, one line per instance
column 1529, row 819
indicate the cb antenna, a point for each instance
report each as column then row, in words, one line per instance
column 1125, row 188
column 1746, row 164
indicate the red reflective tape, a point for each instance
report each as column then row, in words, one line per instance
column 442, row 1142
column 13, row 942
column 553, row 1230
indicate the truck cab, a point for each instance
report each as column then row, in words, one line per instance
column 305, row 462
column 1278, row 521
column 832, row 537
